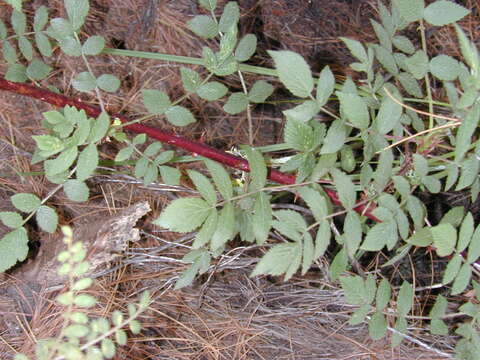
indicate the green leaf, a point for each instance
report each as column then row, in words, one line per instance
column 9, row 53
column 191, row 80
column 303, row 112
column 60, row 28
column 410, row 84
column 84, row 82
column 13, row 247
column 76, row 190
column 345, row 188
column 77, row 11
column 262, row 217
column 258, row 169
column 203, row 26
column 439, row 308
column 99, row 128
column 108, row 82
column 355, row 109
column 462, row 279
column 230, row 16
column 260, row 91
column 404, row 44
column 25, row 48
column 444, row 238
column 220, row 178
column 454, row 216
column 422, row 237
column 156, row 102
column 16, row 73
column 184, row 215
column 335, row 138
column 444, row 67
column 443, row 12
column 466, row 232
column 40, row 19
column 108, row 346
column 382, row 35
column 225, row 227
column 325, row 86
column 38, row 70
column 47, row 219
column 388, row 116
column 322, row 240
column 417, row 64
column 359, row 315
column 26, row 202
column 452, row 269
column 465, row 132
column 246, row 48
column 11, row 219
column 401, row 327
column 338, row 265
column 179, row 116
column 204, row 235
column 377, row 326
column 405, row 299
column 170, row 175
column 293, row 72
column 208, row 5
column 353, row 233
column 94, row 45
column 204, row 186
column 308, row 253
column 410, row 10
column 70, row 46
column 474, row 247
column 298, row 135
column 384, row 293
column 354, row 289
column 3, row 30
column 470, row 169
column 236, row 103
column 62, row 162
column 87, row 162
column 356, row 48
column 19, row 22
column 16, row 4
column 212, row 91
column 386, row 58
column 315, row 201
column 468, row 49
column 380, row 234
column 279, row 259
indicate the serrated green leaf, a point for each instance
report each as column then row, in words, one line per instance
column 260, row 91
column 212, row 90
column 16, row 73
column 19, row 22
column 444, row 238
column 236, row 103
column 417, row 64
column 444, row 67
column 452, row 269
column 40, row 19
column 38, row 70
column 76, row 190
column 410, row 84
column 438, row 327
column 298, row 135
column 466, row 232
column 354, row 289
column 386, row 58
column 322, row 240
column 230, row 16
column 179, row 116
column 152, row 149
column 280, row 259
column 9, row 53
column 468, row 49
column 203, row 26
column 303, row 112
column 315, row 201
column 84, row 82
column 225, row 230
column 338, row 265
column 410, row 10
column 108, row 82
column 3, row 30
column 77, row 11
column 47, row 219
column 422, row 237
column 405, row 299
column 11, row 219
column 353, row 233
column 404, row 44
column 156, row 102
column 246, row 47
column 208, row 5
column 25, row 48
column 432, row 184
column 442, row 12
column 308, row 253
column 382, row 35
column 151, row 174
column 26, row 202
column 262, row 217
column 170, row 175
column 70, row 46
column 470, row 169
column 388, row 116
column 94, row 45
column 191, row 80
column 401, row 327
column 108, row 346
column 356, row 48
column 220, row 178
column 359, row 315
column 87, row 162
column 465, row 132
column 99, row 128
column 355, row 109
column 13, row 247
column 293, row 72
column 204, row 235
column 384, row 233
column 184, row 215
column 474, row 247
column 383, row 295
column 325, row 86
column 462, row 279
column 345, row 188
column 377, row 326
column 204, row 186
column 454, row 216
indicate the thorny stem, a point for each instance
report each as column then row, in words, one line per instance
column 166, row 137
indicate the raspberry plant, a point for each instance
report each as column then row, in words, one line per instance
column 373, row 155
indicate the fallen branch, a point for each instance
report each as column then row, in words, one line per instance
column 165, row 137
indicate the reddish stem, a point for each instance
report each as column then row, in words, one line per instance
column 165, row 137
